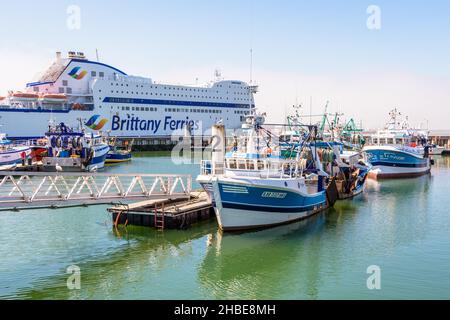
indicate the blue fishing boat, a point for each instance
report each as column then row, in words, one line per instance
column 398, row 152
column 74, row 150
column 258, row 188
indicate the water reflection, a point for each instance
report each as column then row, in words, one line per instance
column 105, row 275
column 401, row 224
column 254, row 265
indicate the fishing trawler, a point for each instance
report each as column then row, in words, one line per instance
column 338, row 148
column 127, row 106
column 116, row 154
column 70, row 150
column 258, row 188
column 397, row 151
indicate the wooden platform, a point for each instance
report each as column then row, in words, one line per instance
column 166, row 213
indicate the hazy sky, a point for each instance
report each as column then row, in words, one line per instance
column 302, row 49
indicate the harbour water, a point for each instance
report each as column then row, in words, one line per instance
column 402, row 226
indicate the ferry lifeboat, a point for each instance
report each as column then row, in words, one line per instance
column 23, row 96
column 54, row 98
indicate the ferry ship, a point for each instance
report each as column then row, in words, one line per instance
column 124, row 106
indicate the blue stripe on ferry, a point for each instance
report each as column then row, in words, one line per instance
column 34, row 84
column 175, row 103
column 33, row 110
column 99, row 64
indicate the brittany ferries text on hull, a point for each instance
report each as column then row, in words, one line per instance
column 126, row 106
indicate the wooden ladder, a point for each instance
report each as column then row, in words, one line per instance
column 159, row 218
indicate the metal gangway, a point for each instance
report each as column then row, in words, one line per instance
column 53, row 190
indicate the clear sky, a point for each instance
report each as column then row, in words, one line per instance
column 302, row 49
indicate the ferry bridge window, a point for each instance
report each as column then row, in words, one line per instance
column 101, row 74
column 93, row 74
column 36, row 89
column 61, row 90
column 65, row 83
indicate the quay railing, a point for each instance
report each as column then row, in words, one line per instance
column 43, row 189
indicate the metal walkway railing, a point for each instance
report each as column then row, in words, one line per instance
column 39, row 189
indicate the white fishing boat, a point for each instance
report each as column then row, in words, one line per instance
column 436, row 150
column 11, row 154
column 398, row 152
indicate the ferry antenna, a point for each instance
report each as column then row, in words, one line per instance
column 251, row 66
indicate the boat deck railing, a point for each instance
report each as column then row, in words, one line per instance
column 264, row 168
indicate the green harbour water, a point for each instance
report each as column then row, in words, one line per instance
column 402, row 226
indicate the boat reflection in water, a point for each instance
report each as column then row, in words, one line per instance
column 253, row 265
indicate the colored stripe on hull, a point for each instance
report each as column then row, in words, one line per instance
column 386, row 176
column 400, row 165
column 117, row 161
column 247, row 207
column 307, row 215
